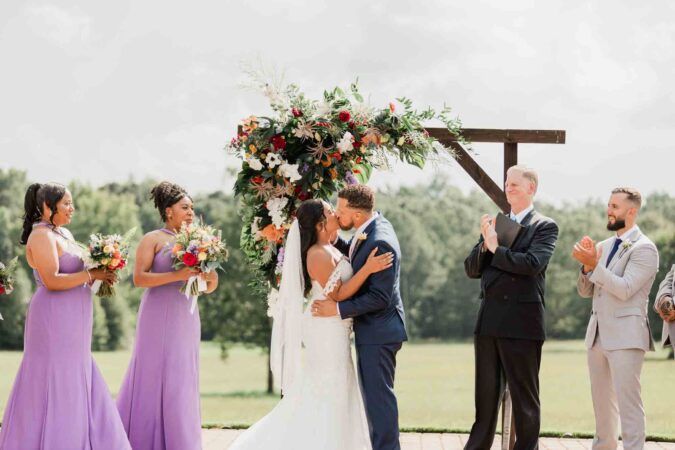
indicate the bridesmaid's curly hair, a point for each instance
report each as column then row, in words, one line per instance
column 38, row 194
column 165, row 195
column 309, row 214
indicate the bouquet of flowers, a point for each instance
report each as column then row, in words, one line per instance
column 665, row 306
column 200, row 247
column 109, row 252
column 6, row 277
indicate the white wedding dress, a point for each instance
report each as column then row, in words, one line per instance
column 323, row 409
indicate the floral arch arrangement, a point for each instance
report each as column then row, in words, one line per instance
column 311, row 149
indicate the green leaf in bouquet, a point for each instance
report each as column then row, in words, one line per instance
column 415, row 159
column 10, row 267
column 128, row 235
column 364, row 172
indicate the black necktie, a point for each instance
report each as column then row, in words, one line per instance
column 617, row 242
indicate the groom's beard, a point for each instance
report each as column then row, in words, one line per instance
column 617, row 225
column 347, row 227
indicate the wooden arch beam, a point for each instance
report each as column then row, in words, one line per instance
column 510, row 139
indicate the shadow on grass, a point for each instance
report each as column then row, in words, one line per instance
column 543, row 434
column 239, row 394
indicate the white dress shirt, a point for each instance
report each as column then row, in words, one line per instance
column 627, row 233
column 521, row 215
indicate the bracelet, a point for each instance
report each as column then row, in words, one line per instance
column 89, row 275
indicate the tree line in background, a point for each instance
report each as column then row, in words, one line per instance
column 437, row 226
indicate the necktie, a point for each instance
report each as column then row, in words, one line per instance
column 617, row 243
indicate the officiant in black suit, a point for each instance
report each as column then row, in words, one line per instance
column 509, row 331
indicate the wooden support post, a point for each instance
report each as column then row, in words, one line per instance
column 510, row 157
column 508, row 424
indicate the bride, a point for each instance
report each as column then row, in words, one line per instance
column 322, row 407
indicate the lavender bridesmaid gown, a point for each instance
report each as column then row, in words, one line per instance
column 159, row 399
column 60, row 400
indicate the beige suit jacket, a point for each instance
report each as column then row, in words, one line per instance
column 620, row 293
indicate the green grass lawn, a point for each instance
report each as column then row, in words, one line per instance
column 434, row 386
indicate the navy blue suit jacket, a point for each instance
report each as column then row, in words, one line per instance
column 377, row 308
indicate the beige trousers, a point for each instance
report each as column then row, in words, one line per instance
column 616, row 392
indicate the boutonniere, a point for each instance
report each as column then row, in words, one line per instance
column 361, row 236
column 625, row 246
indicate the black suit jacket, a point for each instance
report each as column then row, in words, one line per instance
column 513, row 281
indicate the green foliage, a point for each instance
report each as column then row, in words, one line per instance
column 235, row 312
column 437, row 226
column 13, row 185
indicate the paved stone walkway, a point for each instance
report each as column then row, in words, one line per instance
column 221, row 439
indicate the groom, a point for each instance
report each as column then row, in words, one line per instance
column 377, row 310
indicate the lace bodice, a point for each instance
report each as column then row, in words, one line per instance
column 342, row 272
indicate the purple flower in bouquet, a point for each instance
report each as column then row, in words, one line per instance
column 280, row 261
column 350, row 179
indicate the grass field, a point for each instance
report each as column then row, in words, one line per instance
column 434, row 386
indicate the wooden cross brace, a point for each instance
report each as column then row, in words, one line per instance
column 510, row 139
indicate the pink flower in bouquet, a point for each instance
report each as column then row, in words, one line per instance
column 2, row 289
column 296, row 112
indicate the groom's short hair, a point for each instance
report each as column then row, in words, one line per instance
column 358, row 196
column 632, row 195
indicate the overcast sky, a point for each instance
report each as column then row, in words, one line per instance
column 101, row 91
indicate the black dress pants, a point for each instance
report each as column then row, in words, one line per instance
column 512, row 361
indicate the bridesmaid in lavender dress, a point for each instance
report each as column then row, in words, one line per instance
column 159, row 399
column 59, row 400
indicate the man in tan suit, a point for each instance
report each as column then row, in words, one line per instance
column 618, row 274
column 665, row 294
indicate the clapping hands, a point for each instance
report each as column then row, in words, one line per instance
column 487, row 229
column 587, row 253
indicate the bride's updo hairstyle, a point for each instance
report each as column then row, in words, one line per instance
column 37, row 195
column 309, row 214
column 165, row 195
